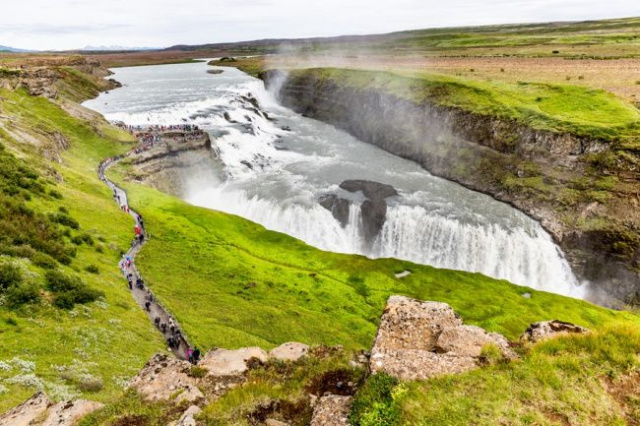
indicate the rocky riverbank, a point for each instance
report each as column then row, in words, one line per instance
column 565, row 181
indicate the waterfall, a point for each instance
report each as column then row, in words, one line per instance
column 527, row 257
column 277, row 165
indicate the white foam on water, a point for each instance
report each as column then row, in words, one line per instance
column 275, row 178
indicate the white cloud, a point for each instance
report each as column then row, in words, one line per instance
column 67, row 24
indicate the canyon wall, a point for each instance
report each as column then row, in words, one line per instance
column 527, row 168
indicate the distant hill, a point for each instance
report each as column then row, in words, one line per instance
column 14, row 50
column 590, row 32
column 116, row 48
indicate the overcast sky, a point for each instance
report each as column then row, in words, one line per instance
column 69, row 24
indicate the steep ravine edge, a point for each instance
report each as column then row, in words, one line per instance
column 478, row 151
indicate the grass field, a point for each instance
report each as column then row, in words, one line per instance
column 556, row 107
column 242, row 285
column 582, row 380
column 231, row 283
column 72, row 352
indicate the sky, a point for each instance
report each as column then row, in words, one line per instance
column 71, row 24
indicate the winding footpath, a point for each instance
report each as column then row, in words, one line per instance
column 163, row 321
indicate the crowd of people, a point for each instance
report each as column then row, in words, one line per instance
column 150, row 135
column 175, row 340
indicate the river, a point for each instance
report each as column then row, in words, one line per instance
column 274, row 169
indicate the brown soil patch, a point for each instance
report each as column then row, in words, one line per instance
column 296, row 413
column 555, row 417
column 626, row 392
column 132, row 420
column 336, row 382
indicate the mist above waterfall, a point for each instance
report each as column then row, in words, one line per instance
column 276, row 165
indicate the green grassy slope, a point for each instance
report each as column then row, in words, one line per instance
column 581, row 380
column 107, row 342
column 232, row 283
column 555, row 107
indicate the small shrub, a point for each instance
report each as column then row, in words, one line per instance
column 63, row 210
column 90, row 385
column 373, row 403
column 77, row 240
column 87, row 239
column 501, row 69
column 22, row 294
column 93, row 269
column 99, row 249
column 55, row 194
column 581, row 77
column 568, row 78
column 44, row 261
column 10, row 276
column 197, row 372
column 68, row 291
column 555, row 52
column 64, row 220
column 11, row 321
column 26, row 252
column 490, row 354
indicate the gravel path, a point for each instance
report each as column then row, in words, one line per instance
column 159, row 315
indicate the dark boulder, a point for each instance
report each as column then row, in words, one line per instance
column 339, row 207
column 374, row 191
column 373, row 209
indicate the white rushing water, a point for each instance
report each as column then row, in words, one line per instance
column 275, row 176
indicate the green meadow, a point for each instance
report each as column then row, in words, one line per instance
column 92, row 349
column 558, row 108
column 232, row 283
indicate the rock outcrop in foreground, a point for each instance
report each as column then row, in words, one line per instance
column 418, row 340
column 40, row 411
column 166, row 378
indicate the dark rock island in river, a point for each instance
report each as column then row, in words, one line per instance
column 373, row 209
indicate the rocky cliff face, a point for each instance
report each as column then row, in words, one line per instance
column 418, row 340
column 531, row 169
column 173, row 163
column 77, row 77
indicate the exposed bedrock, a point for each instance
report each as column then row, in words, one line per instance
column 373, row 209
column 486, row 153
column 172, row 164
